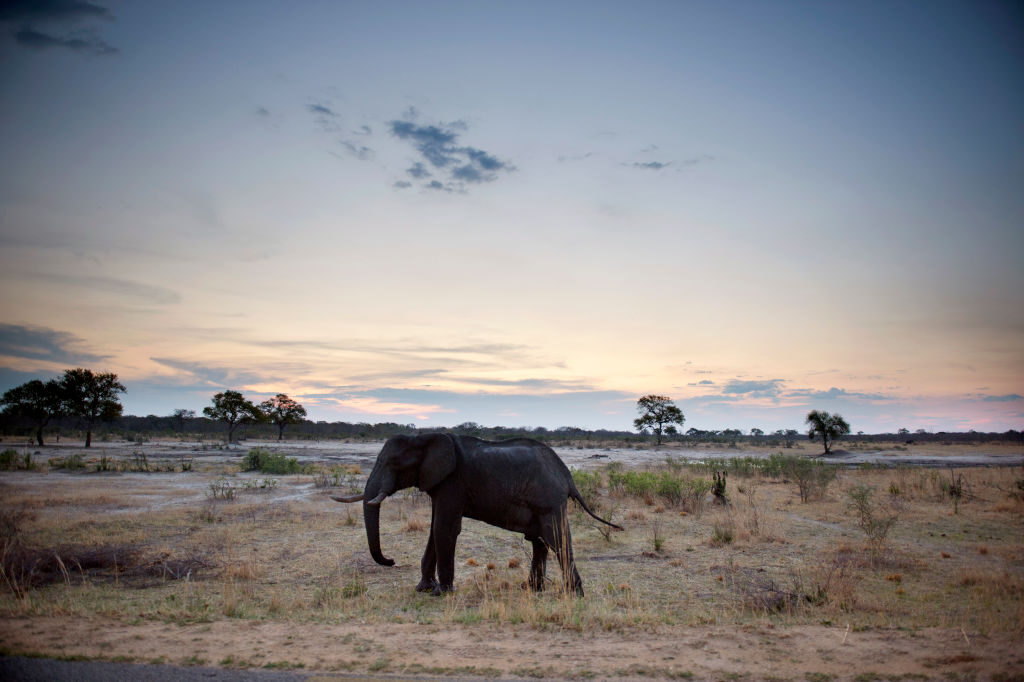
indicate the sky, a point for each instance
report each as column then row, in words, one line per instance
column 521, row 213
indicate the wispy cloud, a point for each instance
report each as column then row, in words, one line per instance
column 146, row 293
column 458, row 165
column 769, row 388
column 42, row 343
column 326, row 118
column 835, row 394
column 27, row 15
column 652, row 165
column 216, row 376
column 361, row 152
column 1009, row 397
column 321, row 110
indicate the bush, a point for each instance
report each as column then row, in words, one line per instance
column 10, row 460
column 268, row 462
column 870, row 518
column 588, row 483
column 812, row 477
column 222, row 489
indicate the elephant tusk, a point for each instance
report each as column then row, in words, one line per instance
column 377, row 500
column 347, row 498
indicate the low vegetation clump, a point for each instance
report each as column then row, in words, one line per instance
column 11, row 460
column 872, row 518
column 266, row 462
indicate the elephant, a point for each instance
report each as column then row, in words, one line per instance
column 517, row 484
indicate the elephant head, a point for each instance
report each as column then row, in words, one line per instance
column 404, row 461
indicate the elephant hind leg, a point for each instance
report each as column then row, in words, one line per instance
column 559, row 538
column 428, row 565
column 538, row 565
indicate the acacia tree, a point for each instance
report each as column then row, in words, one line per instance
column 282, row 411
column 658, row 413
column 37, row 401
column 91, row 397
column 233, row 409
column 826, row 426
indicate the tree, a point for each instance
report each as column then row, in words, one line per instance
column 657, row 411
column 233, row 409
column 826, row 426
column 34, row 400
column 91, row 397
column 282, row 411
column 180, row 415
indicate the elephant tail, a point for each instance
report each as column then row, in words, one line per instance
column 575, row 495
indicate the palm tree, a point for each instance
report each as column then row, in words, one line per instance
column 827, row 426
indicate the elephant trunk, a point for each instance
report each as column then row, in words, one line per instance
column 378, row 486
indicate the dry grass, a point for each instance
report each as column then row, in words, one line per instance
column 291, row 554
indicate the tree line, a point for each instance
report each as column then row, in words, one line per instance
column 83, row 399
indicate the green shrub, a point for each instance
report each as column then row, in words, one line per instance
column 588, row 483
column 268, row 462
column 10, row 460
column 812, row 477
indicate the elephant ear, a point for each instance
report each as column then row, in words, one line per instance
column 438, row 461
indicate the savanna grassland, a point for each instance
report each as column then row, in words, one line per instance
column 797, row 569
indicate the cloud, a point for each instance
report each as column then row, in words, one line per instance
column 754, row 389
column 418, row 171
column 321, row 110
column 402, row 184
column 42, row 343
column 52, row 10
column 121, row 287
column 325, row 117
column 363, row 130
column 86, row 42
column 438, row 145
column 28, row 15
column 835, row 394
column 227, row 377
column 361, row 152
column 652, row 165
column 706, row 382
column 1010, row 397
column 262, row 111
column 439, row 186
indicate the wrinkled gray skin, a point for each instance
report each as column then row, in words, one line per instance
column 520, row 485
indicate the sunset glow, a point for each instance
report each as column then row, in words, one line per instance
column 524, row 214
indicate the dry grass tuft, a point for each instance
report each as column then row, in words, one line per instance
column 414, row 526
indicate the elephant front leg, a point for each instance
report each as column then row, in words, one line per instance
column 538, row 565
column 445, row 531
column 428, row 566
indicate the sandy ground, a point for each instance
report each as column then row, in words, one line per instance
column 704, row 652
